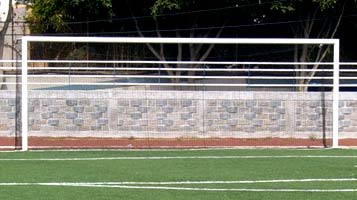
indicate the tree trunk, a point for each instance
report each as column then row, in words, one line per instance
column 3, row 30
column 327, row 31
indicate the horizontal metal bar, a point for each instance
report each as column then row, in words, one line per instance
column 10, row 76
column 176, row 62
column 348, row 85
column 10, row 68
column 179, row 62
column 10, row 83
column 348, row 70
column 184, row 77
column 347, row 63
column 348, row 78
column 179, row 69
column 178, row 40
column 10, row 61
column 182, row 84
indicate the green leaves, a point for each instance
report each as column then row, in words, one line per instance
column 279, row 6
column 54, row 15
column 290, row 6
column 325, row 4
column 161, row 5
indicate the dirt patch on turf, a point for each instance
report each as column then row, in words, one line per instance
column 142, row 143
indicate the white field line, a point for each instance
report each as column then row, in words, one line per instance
column 226, row 182
column 127, row 186
column 175, row 157
column 189, row 182
column 218, row 189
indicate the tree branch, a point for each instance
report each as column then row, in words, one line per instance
column 160, row 56
column 321, row 56
column 2, row 37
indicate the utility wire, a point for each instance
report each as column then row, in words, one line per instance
column 193, row 28
column 169, row 14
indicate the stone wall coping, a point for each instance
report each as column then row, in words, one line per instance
column 171, row 94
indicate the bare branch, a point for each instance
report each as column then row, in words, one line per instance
column 160, row 56
column 209, row 49
column 151, row 48
column 339, row 20
column 321, row 56
column 312, row 22
column 179, row 47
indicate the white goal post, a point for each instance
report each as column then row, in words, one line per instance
column 126, row 40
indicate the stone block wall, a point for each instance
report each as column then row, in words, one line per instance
column 188, row 114
column 72, row 115
column 348, row 115
column 7, row 114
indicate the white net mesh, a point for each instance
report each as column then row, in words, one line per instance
column 168, row 93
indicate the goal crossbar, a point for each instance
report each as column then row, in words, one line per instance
column 179, row 40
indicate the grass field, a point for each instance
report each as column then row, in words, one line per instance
column 179, row 174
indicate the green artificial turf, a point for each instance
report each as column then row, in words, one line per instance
column 184, row 169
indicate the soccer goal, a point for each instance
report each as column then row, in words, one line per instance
column 109, row 92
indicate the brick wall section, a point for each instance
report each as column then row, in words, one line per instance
column 165, row 114
column 68, row 115
column 7, row 114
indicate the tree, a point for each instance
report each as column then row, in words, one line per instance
column 49, row 16
column 163, row 13
column 318, row 19
column 198, row 18
column 5, row 21
column 70, row 17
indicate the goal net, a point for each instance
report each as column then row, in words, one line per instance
column 91, row 92
column 10, row 105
